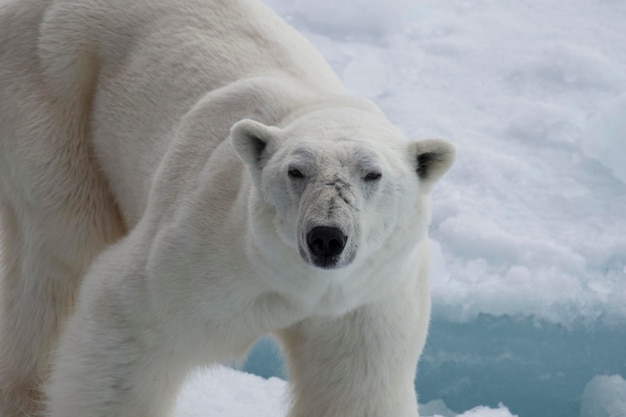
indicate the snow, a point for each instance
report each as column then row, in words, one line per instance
column 501, row 411
column 604, row 396
column 224, row 392
column 605, row 138
column 436, row 408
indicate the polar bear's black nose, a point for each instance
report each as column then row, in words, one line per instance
column 326, row 242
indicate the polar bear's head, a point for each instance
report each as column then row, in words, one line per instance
column 336, row 184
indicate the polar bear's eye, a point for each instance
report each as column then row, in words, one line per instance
column 295, row 173
column 373, row 176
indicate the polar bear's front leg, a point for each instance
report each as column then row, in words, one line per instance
column 362, row 364
column 112, row 362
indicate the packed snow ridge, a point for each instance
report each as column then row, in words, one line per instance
column 224, row 392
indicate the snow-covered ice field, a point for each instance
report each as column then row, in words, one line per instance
column 529, row 228
column 223, row 392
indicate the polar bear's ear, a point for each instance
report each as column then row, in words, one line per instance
column 253, row 141
column 432, row 158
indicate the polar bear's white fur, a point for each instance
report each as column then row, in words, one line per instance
column 180, row 177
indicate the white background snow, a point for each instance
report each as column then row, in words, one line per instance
column 223, row 392
column 531, row 221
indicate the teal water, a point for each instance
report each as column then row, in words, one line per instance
column 535, row 368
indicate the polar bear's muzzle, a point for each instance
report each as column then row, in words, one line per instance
column 325, row 245
column 328, row 231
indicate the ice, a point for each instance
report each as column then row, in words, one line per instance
column 436, row 408
column 501, row 411
column 224, row 392
column 605, row 137
column 346, row 19
column 604, row 396
column 566, row 68
column 367, row 74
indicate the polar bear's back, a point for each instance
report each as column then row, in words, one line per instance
column 223, row 40
column 146, row 62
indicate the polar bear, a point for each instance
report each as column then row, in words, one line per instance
column 181, row 177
